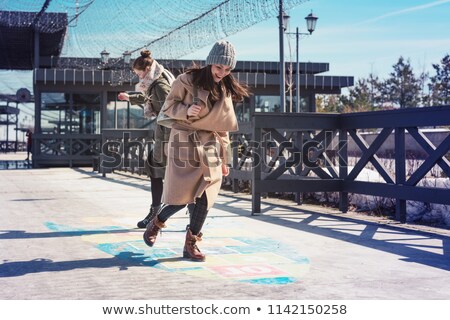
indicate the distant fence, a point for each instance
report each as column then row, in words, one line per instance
column 309, row 153
column 76, row 150
column 123, row 149
column 68, row 150
column 12, row 146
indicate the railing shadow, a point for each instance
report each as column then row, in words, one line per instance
column 111, row 179
column 411, row 245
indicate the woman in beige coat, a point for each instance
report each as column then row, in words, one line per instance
column 202, row 101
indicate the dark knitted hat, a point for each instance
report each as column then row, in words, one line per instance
column 222, row 53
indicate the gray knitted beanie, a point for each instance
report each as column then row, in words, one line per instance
column 222, row 53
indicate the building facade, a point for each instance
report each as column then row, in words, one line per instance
column 75, row 99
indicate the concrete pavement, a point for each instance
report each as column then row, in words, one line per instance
column 70, row 234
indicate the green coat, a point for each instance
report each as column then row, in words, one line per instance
column 156, row 95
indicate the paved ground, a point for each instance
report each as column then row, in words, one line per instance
column 70, row 234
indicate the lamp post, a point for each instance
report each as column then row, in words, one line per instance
column 311, row 21
column 107, row 64
column 126, row 57
column 104, row 59
column 283, row 20
column 105, row 56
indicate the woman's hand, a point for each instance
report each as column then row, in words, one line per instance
column 123, row 96
column 225, row 170
column 193, row 110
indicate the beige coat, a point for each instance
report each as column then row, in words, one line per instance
column 198, row 147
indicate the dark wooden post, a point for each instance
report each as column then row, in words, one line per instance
column 256, row 168
column 343, row 168
column 298, row 169
column 400, row 172
column 235, row 150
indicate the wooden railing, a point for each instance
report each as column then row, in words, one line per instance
column 96, row 150
column 70, row 150
column 308, row 153
column 297, row 153
column 123, row 149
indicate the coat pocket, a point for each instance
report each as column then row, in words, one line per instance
column 181, row 146
column 211, row 155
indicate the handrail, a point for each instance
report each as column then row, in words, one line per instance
column 317, row 144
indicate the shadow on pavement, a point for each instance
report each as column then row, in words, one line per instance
column 123, row 261
column 20, row 234
column 109, row 179
column 404, row 242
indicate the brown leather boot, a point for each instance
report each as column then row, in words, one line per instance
column 191, row 251
column 152, row 230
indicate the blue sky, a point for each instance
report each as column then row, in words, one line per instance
column 356, row 37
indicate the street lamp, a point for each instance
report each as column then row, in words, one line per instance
column 311, row 21
column 105, row 56
column 126, row 57
column 107, row 63
column 104, row 59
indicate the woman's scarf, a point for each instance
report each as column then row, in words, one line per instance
column 154, row 73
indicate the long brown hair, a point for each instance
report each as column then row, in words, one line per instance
column 144, row 61
column 202, row 77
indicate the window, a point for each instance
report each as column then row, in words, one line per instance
column 267, row 104
column 242, row 110
column 70, row 113
column 55, row 112
column 123, row 115
column 272, row 104
column 86, row 113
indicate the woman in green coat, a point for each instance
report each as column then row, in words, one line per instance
column 154, row 86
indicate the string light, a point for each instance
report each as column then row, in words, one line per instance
column 170, row 29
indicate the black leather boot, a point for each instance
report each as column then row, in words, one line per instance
column 151, row 214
